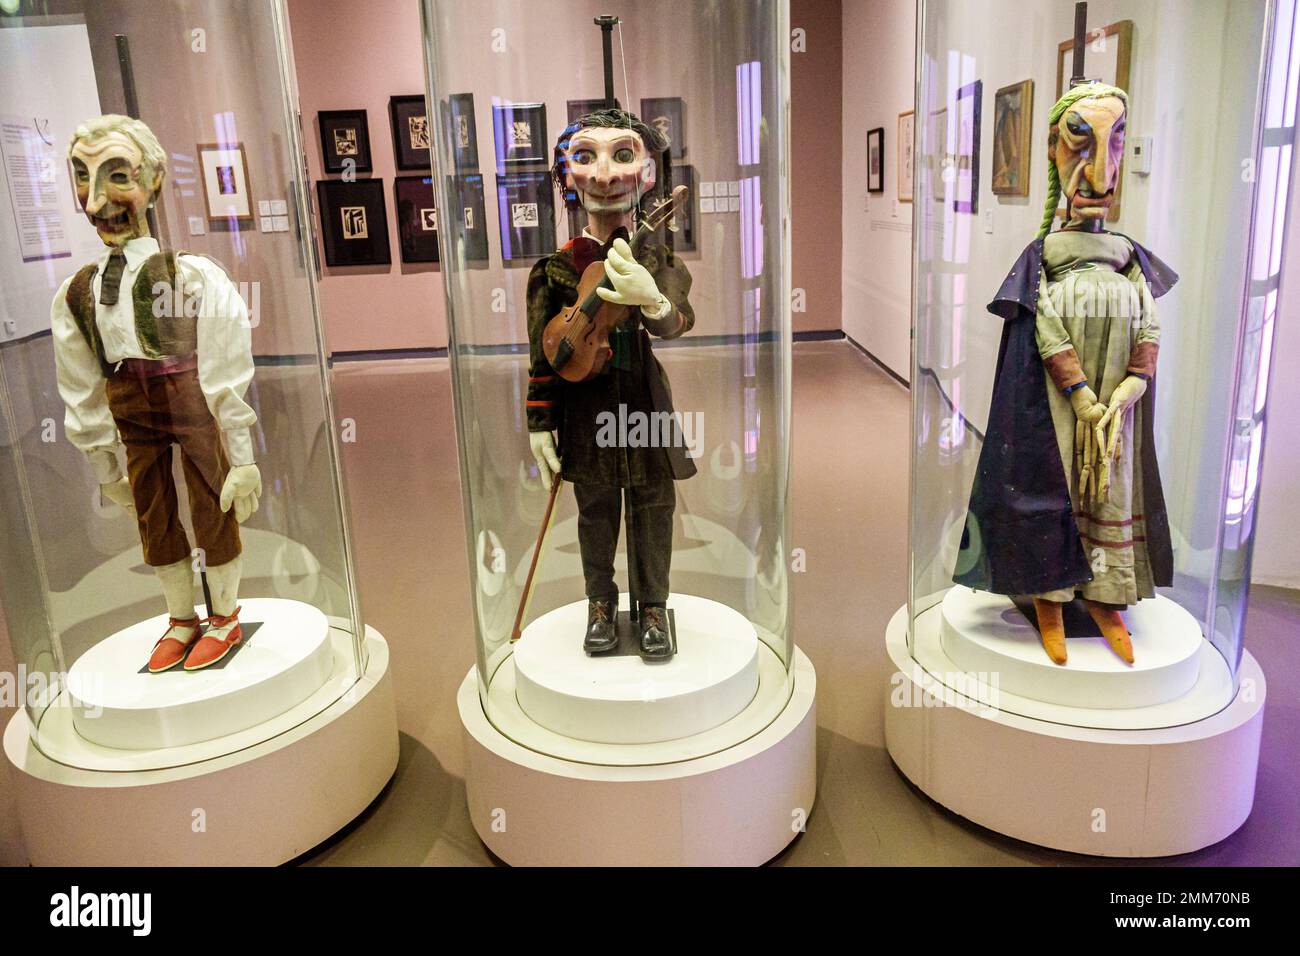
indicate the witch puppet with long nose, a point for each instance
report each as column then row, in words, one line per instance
column 1067, row 501
column 140, row 372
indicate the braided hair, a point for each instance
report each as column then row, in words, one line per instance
column 1083, row 91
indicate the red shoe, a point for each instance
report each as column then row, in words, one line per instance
column 170, row 651
column 211, row 649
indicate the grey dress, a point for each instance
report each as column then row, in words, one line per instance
column 1094, row 299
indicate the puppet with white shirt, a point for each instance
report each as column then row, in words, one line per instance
column 154, row 349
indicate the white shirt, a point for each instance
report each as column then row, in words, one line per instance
column 225, row 351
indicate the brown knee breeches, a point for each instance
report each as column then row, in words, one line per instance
column 152, row 413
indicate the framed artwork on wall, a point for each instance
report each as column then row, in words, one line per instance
column 520, row 132
column 1013, row 111
column 417, row 218
column 467, row 224
column 344, row 141
column 412, row 137
column 966, row 179
column 906, row 156
column 463, row 132
column 667, row 114
column 226, row 189
column 876, row 160
column 938, row 155
column 354, row 222
column 526, row 214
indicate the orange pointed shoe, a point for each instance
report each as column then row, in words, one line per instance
column 213, row 645
column 1113, row 629
column 1051, row 629
column 170, row 651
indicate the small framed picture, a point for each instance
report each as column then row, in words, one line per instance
column 462, row 132
column 906, row 156
column 225, row 181
column 520, row 131
column 466, row 225
column 967, row 152
column 344, row 141
column 354, row 222
column 876, row 160
column 580, row 108
column 526, row 213
column 417, row 218
column 1013, row 109
column 412, row 137
column 667, row 114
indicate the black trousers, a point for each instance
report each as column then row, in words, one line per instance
column 650, row 539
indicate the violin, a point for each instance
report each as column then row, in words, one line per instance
column 576, row 341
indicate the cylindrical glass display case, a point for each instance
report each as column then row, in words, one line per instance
column 1143, row 307
column 175, row 561
column 665, row 407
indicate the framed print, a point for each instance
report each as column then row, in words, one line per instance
column 1106, row 57
column 683, row 240
column 411, row 134
column 876, row 160
column 467, row 223
column 938, row 154
column 417, row 218
column 520, row 130
column 462, row 132
column 966, row 179
column 344, row 140
column 668, row 115
column 225, row 181
column 526, row 214
column 576, row 109
column 906, row 155
column 1013, row 111
column 354, row 222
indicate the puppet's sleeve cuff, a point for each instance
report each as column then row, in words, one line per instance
column 1064, row 369
column 1142, row 360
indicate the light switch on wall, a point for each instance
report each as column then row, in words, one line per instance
column 988, row 221
column 11, row 327
column 197, row 226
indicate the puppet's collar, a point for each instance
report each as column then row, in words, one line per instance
column 137, row 250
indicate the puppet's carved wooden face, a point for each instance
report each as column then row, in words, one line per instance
column 609, row 168
column 1087, row 145
column 111, row 187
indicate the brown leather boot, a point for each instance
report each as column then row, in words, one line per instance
column 1051, row 629
column 1113, row 629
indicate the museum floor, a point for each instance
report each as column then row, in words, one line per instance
column 850, row 516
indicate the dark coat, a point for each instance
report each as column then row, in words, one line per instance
column 641, row 385
column 1020, row 535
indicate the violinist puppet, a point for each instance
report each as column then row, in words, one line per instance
column 1067, row 497
column 605, row 163
column 153, row 349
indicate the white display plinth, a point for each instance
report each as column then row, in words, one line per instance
column 117, row 703
column 1076, row 779
column 985, row 633
column 622, row 699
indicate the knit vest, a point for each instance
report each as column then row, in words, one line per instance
column 170, row 333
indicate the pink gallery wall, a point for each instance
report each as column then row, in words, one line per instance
column 352, row 55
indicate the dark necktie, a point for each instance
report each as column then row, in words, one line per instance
column 108, row 286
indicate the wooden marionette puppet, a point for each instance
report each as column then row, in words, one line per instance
column 153, row 348
column 1067, row 499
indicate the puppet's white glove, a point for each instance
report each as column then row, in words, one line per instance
column 119, row 492
column 542, row 445
column 242, row 488
column 633, row 284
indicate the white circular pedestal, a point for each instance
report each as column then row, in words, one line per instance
column 985, row 633
column 117, row 703
column 624, row 700
column 733, row 796
column 249, row 799
column 1101, row 790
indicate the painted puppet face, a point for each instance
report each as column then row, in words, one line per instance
column 609, row 168
column 1087, row 148
column 112, row 187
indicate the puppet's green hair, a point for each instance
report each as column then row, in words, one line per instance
column 1081, row 92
